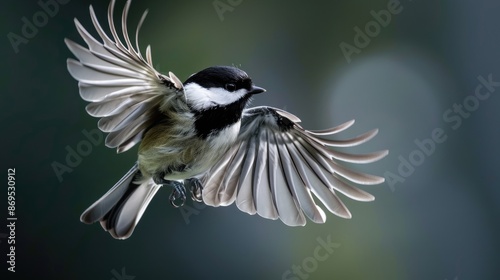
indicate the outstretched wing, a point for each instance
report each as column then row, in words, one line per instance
column 277, row 164
column 124, row 89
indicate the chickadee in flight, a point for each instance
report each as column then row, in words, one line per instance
column 200, row 134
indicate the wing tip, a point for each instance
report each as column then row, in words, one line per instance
column 84, row 218
column 345, row 215
column 88, row 216
column 68, row 42
column 177, row 83
column 384, row 153
column 368, row 197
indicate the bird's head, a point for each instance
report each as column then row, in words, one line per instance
column 219, row 86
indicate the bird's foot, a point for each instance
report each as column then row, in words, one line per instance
column 178, row 195
column 195, row 188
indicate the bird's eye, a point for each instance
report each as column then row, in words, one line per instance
column 230, row 87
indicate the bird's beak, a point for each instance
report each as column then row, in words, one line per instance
column 256, row 90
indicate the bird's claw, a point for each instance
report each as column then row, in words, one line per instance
column 178, row 196
column 195, row 188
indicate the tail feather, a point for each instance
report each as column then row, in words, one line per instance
column 120, row 209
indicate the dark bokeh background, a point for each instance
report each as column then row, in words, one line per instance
column 442, row 222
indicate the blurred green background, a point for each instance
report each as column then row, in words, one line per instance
column 441, row 222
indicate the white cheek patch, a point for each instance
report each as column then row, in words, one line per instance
column 201, row 98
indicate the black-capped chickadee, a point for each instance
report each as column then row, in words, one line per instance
column 199, row 134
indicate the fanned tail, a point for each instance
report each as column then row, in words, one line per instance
column 120, row 209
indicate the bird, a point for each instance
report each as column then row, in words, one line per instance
column 201, row 134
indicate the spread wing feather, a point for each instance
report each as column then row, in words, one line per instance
column 262, row 193
column 277, row 169
column 124, row 89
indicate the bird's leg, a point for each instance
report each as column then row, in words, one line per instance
column 178, row 195
column 195, row 188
